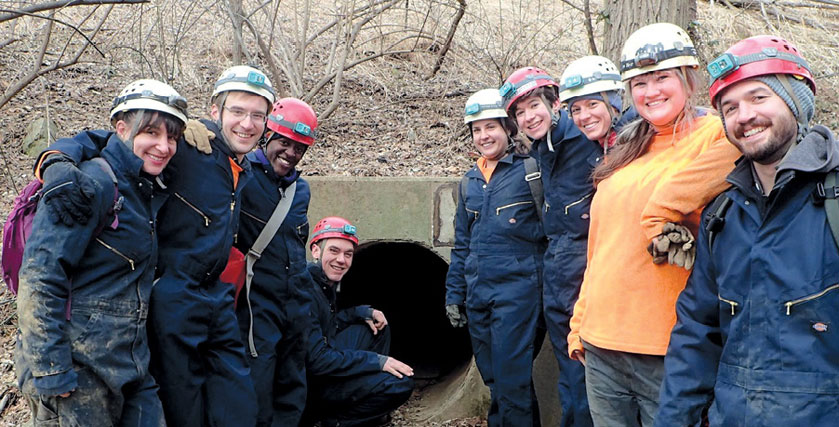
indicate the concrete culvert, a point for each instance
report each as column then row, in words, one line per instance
column 408, row 283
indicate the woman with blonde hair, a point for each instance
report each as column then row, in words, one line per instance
column 663, row 169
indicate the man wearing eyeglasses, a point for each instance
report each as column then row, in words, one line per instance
column 754, row 343
column 352, row 380
column 197, row 354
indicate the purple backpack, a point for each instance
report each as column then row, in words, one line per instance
column 18, row 225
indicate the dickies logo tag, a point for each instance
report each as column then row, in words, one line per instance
column 820, row 326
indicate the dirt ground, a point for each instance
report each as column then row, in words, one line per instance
column 392, row 120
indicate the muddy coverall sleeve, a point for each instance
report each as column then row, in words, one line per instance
column 352, row 315
column 456, row 277
column 695, row 347
column 84, row 146
column 690, row 189
column 51, row 254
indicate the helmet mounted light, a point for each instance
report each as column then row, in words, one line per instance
column 299, row 128
column 651, row 54
column 254, row 78
column 727, row 63
column 175, row 101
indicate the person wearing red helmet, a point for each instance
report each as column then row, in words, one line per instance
column 753, row 344
column 352, row 380
column 566, row 159
column 272, row 310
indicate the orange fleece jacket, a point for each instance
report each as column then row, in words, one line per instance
column 626, row 302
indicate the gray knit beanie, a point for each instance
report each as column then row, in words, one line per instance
column 805, row 96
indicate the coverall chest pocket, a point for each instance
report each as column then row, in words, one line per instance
column 123, row 252
column 577, row 210
column 808, row 325
column 200, row 215
column 519, row 216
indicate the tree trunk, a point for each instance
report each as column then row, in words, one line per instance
column 625, row 16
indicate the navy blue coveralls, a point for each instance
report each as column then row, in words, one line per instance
column 755, row 335
column 280, row 312
column 198, row 356
column 344, row 362
column 495, row 270
column 101, row 352
column 566, row 177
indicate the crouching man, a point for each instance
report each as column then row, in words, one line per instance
column 351, row 379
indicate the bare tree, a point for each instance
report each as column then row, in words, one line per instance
column 625, row 16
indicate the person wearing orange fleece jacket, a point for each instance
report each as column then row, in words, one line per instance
column 664, row 168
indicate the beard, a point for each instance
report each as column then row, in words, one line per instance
column 783, row 134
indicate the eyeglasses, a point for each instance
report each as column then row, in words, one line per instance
column 240, row 114
column 174, row 101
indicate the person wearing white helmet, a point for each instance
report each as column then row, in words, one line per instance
column 494, row 281
column 82, row 355
column 198, row 356
column 664, row 168
column 591, row 89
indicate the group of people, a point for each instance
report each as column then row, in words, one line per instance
column 584, row 216
column 582, row 219
column 123, row 316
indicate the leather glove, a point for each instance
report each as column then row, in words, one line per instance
column 198, row 136
column 677, row 242
column 68, row 192
column 456, row 314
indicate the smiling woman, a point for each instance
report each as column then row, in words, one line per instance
column 664, row 168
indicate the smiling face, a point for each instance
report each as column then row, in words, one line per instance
column 490, row 138
column 533, row 116
column 592, row 117
column 335, row 257
column 284, row 154
column 152, row 143
column 758, row 122
column 241, row 133
column 659, row 96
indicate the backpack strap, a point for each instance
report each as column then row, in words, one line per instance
column 255, row 252
column 117, row 206
column 533, row 176
column 716, row 217
column 829, row 193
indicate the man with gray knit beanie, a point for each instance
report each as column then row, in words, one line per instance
column 754, row 341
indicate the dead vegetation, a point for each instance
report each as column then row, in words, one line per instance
column 396, row 111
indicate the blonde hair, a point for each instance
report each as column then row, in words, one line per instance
column 635, row 137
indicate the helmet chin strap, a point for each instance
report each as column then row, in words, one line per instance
column 554, row 121
column 803, row 126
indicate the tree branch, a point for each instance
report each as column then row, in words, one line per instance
column 12, row 14
column 589, row 28
column 461, row 9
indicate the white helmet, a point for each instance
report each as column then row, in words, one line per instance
column 484, row 104
column 149, row 94
column 656, row 47
column 589, row 75
column 246, row 79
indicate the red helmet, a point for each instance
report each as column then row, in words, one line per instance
column 523, row 81
column 757, row 56
column 334, row 227
column 295, row 120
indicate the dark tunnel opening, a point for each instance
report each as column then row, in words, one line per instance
column 407, row 282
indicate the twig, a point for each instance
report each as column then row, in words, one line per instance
column 50, row 18
column 461, row 9
column 589, row 28
column 29, row 10
column 6, row 164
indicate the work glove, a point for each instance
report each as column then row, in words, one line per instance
column 675, row 244
column 456, row 314
column 198, row 136
column 68, row 192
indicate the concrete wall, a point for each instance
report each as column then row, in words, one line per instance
column 421, row 210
